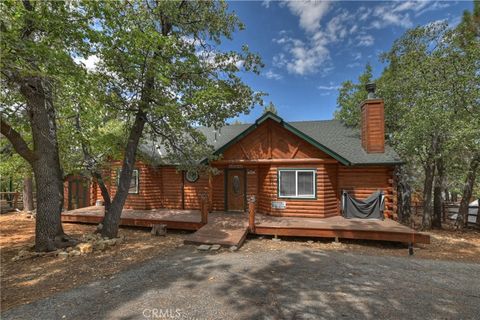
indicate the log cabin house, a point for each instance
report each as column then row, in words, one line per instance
column 291, row 169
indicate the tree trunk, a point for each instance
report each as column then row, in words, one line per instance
column 404, row 195
column 44, row 158
column 45, row 163
column 46, row 166
column 462, row 217
column 28, row 194
column 111, row 220
column 427, row 195
column 437, row 194
column 107, row 201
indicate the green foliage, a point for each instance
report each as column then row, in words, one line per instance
column 49, row 35
column 12, row 166
column 270, row 108
column 38, row 39
column 173, row 44
column 164, row 58
column 350, row 96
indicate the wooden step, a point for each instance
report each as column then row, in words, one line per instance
column 220, row 232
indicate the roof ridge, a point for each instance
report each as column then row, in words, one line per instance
column 296, row 121
column 323, row 120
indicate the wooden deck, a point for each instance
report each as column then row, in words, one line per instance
column 172, row 218
column 231, row 228
column 384, row 230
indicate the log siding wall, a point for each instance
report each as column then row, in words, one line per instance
column 194, row 191
column 150, row 186
column 158, row 187
column 363, row 181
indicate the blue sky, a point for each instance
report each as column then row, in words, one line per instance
column 310, row 48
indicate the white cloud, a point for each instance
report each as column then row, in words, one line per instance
column 324, row 24
column 434, row 6
column 270, row 74
column 309, row 56
column 398, row 13
column 365, row 40
column 386, row 15
column 266, row 3
column 409, row 5
column 309, row 12
column 299, row 57
column 357, row 56
column 329, row 87
column 363, row 13
column 354, row 65
column 337, row 27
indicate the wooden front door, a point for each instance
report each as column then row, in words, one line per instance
column 236, row 189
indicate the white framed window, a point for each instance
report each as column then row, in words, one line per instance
column 133, row 188
column 296, row 183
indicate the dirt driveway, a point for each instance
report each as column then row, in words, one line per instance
column 287, row 284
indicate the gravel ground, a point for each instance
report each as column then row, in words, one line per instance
column 305, row 284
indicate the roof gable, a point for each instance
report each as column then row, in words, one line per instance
column 288, row 127
column 270, row 140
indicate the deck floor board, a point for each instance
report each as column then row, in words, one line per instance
column 173, row 218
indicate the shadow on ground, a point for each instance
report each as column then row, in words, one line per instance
column 305, row 284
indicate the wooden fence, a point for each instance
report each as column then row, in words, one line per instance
column 13, row 201
column 10, row 201
column 448, row 209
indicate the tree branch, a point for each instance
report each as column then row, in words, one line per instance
column 91, row 165
column 17, row 142
column 28, row 29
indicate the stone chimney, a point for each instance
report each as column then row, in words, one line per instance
column 373, row 122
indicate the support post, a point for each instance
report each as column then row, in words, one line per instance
column 210, row 192
column 410, row 244
column 251, row 214
column 204, row 208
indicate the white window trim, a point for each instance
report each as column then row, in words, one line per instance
column 136, row 174
column 299, row 196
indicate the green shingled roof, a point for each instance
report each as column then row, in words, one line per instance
column 345, row 141
column 331, row 136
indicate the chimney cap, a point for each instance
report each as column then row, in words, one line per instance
column 371, row 90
